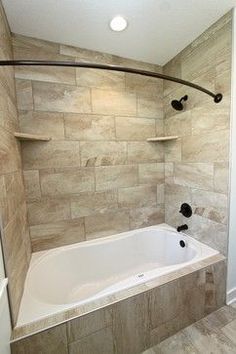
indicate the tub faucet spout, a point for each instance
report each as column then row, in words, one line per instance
column 182, row 227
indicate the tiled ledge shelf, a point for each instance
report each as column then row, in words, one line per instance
column 163, row 138
column 31, row 137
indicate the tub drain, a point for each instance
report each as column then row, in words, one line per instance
column 182, row 243
column 140, row 275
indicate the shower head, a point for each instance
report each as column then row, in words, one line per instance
column 177, row 104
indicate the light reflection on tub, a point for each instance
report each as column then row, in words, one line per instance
column 77, row 274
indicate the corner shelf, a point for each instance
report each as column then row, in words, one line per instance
column 31, row 137
column 163, row 138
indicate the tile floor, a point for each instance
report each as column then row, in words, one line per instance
column 214, row 334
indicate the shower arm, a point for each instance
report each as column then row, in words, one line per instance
column 217, row 97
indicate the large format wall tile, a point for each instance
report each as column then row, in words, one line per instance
column 159, row 127
column 85, row 54
column 99, row 122
column 184, row 301
column 221, row 177
column 173, row 151
column 29, row 48
column 197, row 164
column 113, row 102
column 141, row 152
column 104, row 79
column 89, row 203
column 207, row 119
column 176, row 194
column 13, row 213
column 89, row 127
column 131, row 324
column 45, row 236
column 3, row 202
column 48, row 211
column 135, row 197
column 134, row 129
column 48, row 74
column 111, row 223
column 99, row 342
column 67, row 182
column 53, row 341
column 198, row 175
column 52, row 154
column 10, row 159
column 116, row 177
column 24, row 94
column 152, row 173
column 42, row 123
column 85, row 325
column 209, row 199
column 8, row 116
column 211, row 147
column 179, row 124
column 144, row 85
column 14, row 192
column 161, row 194
column 146, row 216
column 40, row 50
column 32, row 185
column 210, row 232
column 103, row 153
column 15, row 243
column 151, row 107
column 61, row 98
column 30, row 44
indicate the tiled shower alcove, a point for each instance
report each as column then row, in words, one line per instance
column 98, row 176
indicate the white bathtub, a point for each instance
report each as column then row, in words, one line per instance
column 80, row 273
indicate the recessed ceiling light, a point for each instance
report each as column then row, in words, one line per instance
column 118, row 23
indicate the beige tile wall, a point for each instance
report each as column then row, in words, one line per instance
column 197, row 164
column 98, row 175
column 13, row 213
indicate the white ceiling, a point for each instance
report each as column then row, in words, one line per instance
column 157, row 30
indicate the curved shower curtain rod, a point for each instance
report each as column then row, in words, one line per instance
column 217, row 97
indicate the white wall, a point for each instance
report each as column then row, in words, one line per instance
column 231, row 281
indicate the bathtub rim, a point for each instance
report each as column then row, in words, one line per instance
column 201, row 251
column 52, row 320
column 39, row 256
